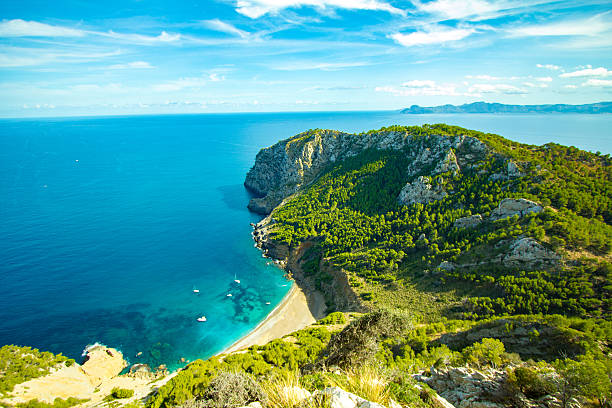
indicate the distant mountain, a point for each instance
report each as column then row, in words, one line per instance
column 485, row 107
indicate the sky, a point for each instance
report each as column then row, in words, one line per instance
column 80, row 57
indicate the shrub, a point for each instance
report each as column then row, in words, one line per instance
column 530, row 382
column 122, row 393
column 333, row 318
column 233, row 389
column 487, row 352
column 358, row 342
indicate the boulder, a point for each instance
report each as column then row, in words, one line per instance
column 421, row 191
column 513, row 170
column 529, row 251
column 342, row 399
column 470, row 221
column 447, row 266
column 509, row 207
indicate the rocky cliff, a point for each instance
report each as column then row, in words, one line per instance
column 282, row 169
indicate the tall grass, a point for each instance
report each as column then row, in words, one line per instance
column 284, row 390
column 367, row 382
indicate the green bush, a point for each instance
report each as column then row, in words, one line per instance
column 333, row 318
column 487, row 352
column 122, row 393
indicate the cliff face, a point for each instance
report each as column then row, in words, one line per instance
column 282, row 169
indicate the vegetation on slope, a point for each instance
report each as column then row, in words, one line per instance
column 352, row 213
column 20, row 364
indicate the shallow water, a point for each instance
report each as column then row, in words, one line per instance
column 109, row 224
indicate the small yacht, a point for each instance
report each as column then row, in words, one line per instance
column 196, row 291
column 201, row 319
column 229, row 295
column 237, row 280
column 267, row 303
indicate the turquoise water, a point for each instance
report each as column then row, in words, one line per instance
column 108, row 224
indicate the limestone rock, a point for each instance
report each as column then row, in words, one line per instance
column 470, row 221
column 448, row 163
column 447, row 266
column 421, row 191
column 467, row 388
column 513, row 170
column 509, row 207
column 529, row 251
column 342, row 399
column 287, row 166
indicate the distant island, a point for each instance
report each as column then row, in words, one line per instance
column 485, row 107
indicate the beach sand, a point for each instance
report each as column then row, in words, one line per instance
column 296, row 311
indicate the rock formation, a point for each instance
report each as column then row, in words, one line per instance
column 528, row 251
column 470, row 221
column 421, row 191
column 509, row 207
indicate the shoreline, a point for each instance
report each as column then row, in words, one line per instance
column 291, row 314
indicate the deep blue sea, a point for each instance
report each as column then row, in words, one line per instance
column 108, row 224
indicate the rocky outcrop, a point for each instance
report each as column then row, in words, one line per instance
column 509, row 207
column 282, row 169
column 470, row 221
column 529, row 252
column 421, row 191
column 467, row 388
column 338, row 398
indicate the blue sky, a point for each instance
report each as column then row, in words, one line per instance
column 78, row 57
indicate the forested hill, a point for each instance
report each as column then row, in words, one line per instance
column 442, row 221
column 485, row 107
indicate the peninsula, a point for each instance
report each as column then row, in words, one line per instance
column 485, row 107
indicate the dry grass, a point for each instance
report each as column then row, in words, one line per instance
column 284, row 391
column 368, row 383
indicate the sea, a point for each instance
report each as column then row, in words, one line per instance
column 124, row 230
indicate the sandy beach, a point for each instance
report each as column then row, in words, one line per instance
column 294, row 312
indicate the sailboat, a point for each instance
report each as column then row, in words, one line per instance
column 201, row 319
column 236, row 280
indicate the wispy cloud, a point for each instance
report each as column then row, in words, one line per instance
column 132, row 65
column 258, row 8
column 322, row 66
column 420, row 87
column 598, row 82
column 435, row 36
column 457, row 9
column 587, row 72
column 22, row 28
column 163, row 38
column 497, row 89
column 549, row 66
column 492, row 78
column 180, row 84
column 25, row 57
column 221, row 26
column 592, row 26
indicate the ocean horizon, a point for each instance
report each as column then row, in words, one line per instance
column 123, row 230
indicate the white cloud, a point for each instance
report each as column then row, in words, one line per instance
column 132, row 65
column 258, row 8
column 22, row 28
column 215, row 77
column 323, row 66
column 601, row 72
column 25, row 57
column 431, row 37
column 570, row 86
column 549, row 66
column 164, row 37
column 491, row 78
column 544, row 79
column 180, row 84
column 598, row 82
column 224, row 27
column 457, row 9
column 532, row 85
column 593, row 26
column 496, row 88
column 420, row 87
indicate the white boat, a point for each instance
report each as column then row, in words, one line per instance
column 229, row 295
column 237, row 280
column 267, row 303
column 201, row 319
column 196, row 291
